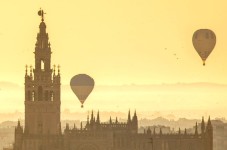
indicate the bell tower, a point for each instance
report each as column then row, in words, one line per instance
column 42, row 89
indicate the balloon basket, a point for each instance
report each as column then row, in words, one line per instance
column 82, row 106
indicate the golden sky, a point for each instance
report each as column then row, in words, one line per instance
column 116, row 42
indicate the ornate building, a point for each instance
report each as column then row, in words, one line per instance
column 42, row 130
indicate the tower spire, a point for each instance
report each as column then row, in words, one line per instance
column 92, row 117
column 134, row 117
column 185, row 131
column 149, row 130
column 209, row 122
column 209, row 127
column 110, row 120
column 98, row 119
column 196, row 130
column 129, row 117
column 203, row 126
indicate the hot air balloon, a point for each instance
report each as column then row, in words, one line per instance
column 204, row 41
column 82, row 85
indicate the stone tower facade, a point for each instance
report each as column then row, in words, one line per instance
column 42, row 96
column 42, row 90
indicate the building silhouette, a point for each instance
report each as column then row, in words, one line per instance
column 42, row 130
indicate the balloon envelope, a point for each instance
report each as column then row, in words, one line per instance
column 82, row 85
column 204, row 41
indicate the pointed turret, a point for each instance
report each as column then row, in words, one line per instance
column 18, row 136
column 135, row 123
column 116, row 121
column 19, row 129
column 185, row 131
column 202, row 126
column 196, row 130
column 209, row 135
column 179, row 131
column 129, row 117
column 92, row 117
column 110, row 120
column 135, row 117
column 67, row 128
column 149, row 130
column 98, row 119
column 209, row 128
column 209, row 122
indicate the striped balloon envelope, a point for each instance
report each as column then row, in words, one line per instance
column 82, row 85
column 204, row 41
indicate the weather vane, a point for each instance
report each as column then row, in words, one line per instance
column 41, row 13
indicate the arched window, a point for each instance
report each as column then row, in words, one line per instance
column 40, row 93
column 42, row 64
column 33, row 95
column 42, row 44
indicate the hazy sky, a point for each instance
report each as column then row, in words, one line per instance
column 116, row 41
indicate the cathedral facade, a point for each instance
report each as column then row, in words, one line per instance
column 42, row 129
